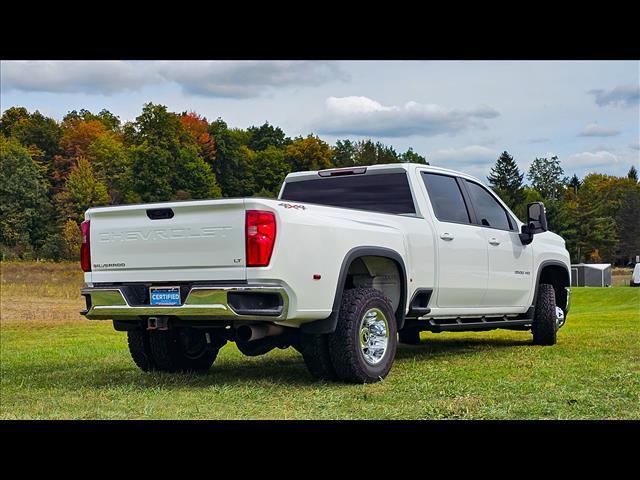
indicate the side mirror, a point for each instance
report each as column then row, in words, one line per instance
column 536, row 217
column 536, row 222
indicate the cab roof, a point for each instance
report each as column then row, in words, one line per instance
column 381, row 168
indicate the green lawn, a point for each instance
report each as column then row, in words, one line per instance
column 77, row 369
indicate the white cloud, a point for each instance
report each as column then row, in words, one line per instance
column 231, row 79
column 240, row 79
column 620, row 96
column 591, row 159
column 595, row 130
column 472, row 154
column 76, row 76
column 363, row 116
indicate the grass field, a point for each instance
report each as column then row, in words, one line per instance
column 56, row 365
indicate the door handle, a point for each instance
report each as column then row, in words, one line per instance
column 494, row 241
column 446, row 236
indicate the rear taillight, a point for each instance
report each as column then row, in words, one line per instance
column 260, row 233
column 85, row 249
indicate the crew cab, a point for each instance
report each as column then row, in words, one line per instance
column 342, row 266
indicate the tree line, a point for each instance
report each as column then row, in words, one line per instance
column 51, row 172
column 597, row 216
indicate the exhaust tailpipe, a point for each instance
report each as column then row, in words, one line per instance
column 249, row 333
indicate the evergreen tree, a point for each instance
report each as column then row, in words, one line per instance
column 412, row 157
column 575, row 183
column 385, row 154
column 633, row 173
column 593, row 214
column 344, row 153
column 368, row 153
column 506, row 180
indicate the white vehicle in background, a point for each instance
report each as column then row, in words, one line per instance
column 342, row 266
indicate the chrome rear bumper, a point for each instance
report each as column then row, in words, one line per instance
column 201, row 303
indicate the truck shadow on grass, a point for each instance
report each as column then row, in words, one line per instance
column 285, row 372
column 292, row 371
column 264, row 372
column 433, row 348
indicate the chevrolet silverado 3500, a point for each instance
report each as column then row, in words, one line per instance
column 342, row 266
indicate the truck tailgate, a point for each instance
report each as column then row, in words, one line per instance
column 196, row 236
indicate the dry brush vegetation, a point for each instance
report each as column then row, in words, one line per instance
column 34, row 293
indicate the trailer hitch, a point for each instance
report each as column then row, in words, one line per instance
column 158, row 323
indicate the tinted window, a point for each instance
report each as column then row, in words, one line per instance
column 446, row 198
column 489, row 212
column 387, row 193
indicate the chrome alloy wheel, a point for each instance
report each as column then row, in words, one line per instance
column 374, row 336
column 559, row 317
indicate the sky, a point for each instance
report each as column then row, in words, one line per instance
column 458, row 114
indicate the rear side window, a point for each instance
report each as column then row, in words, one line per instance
column 386, row 193
column 489, row 212
column 446, row 198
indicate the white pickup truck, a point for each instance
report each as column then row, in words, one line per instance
column 342, row 266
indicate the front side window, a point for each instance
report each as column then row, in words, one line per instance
column 489, row 212
column 446, row 198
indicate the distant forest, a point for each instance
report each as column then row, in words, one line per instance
column 51, row 172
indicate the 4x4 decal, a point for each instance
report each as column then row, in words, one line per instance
column 291, row 205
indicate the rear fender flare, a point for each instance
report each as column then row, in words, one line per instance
column 328, row 325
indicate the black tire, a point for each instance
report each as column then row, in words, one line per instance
column 182, row 350
column 315, row 353
column 296, row 343
column 347, row 357
column 544, row 326
column 140, row 350
column 409, row 336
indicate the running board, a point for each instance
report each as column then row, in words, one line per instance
column 463, row 324
column 460, row 324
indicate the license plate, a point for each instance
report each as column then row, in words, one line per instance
column 164, row 295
